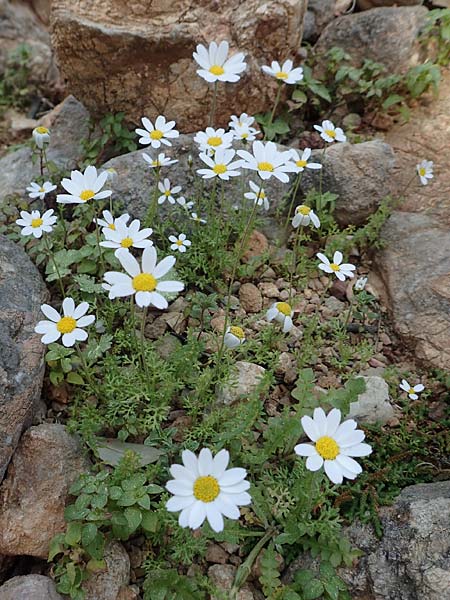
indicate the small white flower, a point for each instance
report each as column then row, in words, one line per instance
column 301, row 162
column 412, row 391
column 35, row 224
column 161, row 161
column 304, row 215
column 267, row 161
column 258, row 195
column 284, row 73
column 179, row 243
column 215, row 64
column 127, row 236
column 143, row 283
column 340, row 270
column 41, row 136
column 330, row 133
column 38, row 191
column 360, row 283
column 167, row 192
column 425, row 171
column 109, row 222
column 234, row 336
column 83, row 187
column 211, row 139
column 220, row 165
column 197, row 219
column 245, row 134
column 112, row 174
column 181, row 200
column 70, row 326
column 157, row 134
column 283, row 313
column 243, row 120
column 334, row 445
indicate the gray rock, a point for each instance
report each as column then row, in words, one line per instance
column 35, row 490
column 109, row 584
column 22, row 292
column 414, row 267
column 373, row 405
column 29, row 587
column 69, row 125
column 387, row 35
column 359, row 173
column 222, row 576
column 242, row 383
column 319, row 13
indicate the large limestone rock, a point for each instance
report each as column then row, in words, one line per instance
column 34, row 492
column 137, row 56
column 29, row 587
column 22, row 292
column 415, row 269
column 373, row 406
column 110, row 584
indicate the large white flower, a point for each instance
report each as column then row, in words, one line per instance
column 143, row 283
column 301, row 162
column 83, row 187
column 41, row 136
column 425, row 171
column 234, row 336
column 304, row 215
column 69, row 326
column 127, row 236
column 211, row 139
column 334, row 445
column 157, row 134
column 180, row 243
column 412, row 390
column 330, row 133
column 35, row 224
column 340, row 270
column 283, row 313
column 161, row 161
column 220, row 165
column 36, row 190
column 258, row 195
column 285, row 73
column 109, row 222
column 215, row 64
column 203, row 488
column 268, row 161
column 167, row 192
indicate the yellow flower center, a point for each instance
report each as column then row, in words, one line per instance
column 112, row 226
column 331, row 133
column 144, row 282
column 265, row 166
column 301, row 163
column 411, row 391
column 422, row 171
column 42, row 130
column 179, row 243
column 244, row 136
column 156, row 134
column 41, row 189
column 155, row 163
column 327, row 447
column 206, row 489
column 66, row 325
column 167, row 193
column 216, row 70
column 36, row 222
column 219, row 169
column 215, row 140
column 126, row 243
column 335, row 267
column 87, row 195
column 303, row 210
column 281, row 75
column 284, row 308
column 238, row 332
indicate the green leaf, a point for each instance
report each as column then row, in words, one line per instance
column 111, row 452
column 391, row 100
column 96, row 548
column 73, row 533
column 144, row 502
column 313, row 590
column 133, row 517
column 74, row 378
column 88, row 533
column 150, row 521
column 56, row 546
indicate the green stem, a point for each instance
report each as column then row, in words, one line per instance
column 245, row 569
column 272, row 114
column 293, row 196
column 97, row 236
column 213, row 106
column 142, row 345
column 322, row 156
column 153, row 206
column 52, row 258
column 63, row 222
column 298, row 236
column 86, row 371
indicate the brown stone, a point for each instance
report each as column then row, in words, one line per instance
column 250, row 298
column 256, row 246
column 137, row 57
column 110, row 584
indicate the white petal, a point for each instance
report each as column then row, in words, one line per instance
column 214, row 517
column 310, row 428
column 305, row 450
column 333, row 470
column 232, row 476
column 220, row 463
column 50, row 313
column 197, row 515
column 179, row 487
column 314, row 463
column 177, row 503
column 205, row 462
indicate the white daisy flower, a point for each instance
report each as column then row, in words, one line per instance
column 203, row 488
column 245, row 133
column 258, row 195
column 35, row 224
column 301, row 162
column 70, row 326
column 161, row 161
column 304, row 215
column 127, row 236
column 340, row 270
column 167, row 192
column 179, row 243
column 283, row 313
column 360, row 283
column 220, row 164
column 412, row 391
column 109, row 222
column 267, row 161
column 284, row 73
column 243, row 120
column 157, row 134
column 334, row 445
column 234, row 336
column 83, row 187
column 196, row 218
column 211, row 139
column 38, row 191
column 330, row 133
column 425, row 171
column 181, row 200
column 112, row 174
column 215, row 64
column 143, row 283
column 41, row 136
